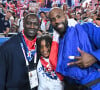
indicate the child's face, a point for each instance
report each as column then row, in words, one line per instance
column 45, row 49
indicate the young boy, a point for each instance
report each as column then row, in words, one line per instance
column 48, row 79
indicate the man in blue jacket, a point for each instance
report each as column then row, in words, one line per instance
column 17, row 58
column 79, row 50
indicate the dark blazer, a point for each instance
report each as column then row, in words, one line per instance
column 13, row 70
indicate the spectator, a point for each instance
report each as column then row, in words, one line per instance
column 49, row 2
column 11, row 19
column 54, row 4
column 43, row 20
column 20, row 21
column 5, row 23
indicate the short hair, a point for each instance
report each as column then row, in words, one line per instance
column 30, row 14
column 48, row 39
column 41, row 12
column 55, row 8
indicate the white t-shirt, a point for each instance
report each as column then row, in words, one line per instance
column 48, row 80
column 11, row 20
column 43, row 26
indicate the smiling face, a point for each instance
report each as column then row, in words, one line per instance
column 31, row 26
column 44, row 49
column 58, row 20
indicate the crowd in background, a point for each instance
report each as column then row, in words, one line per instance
column 72, row 52
column 12, row 14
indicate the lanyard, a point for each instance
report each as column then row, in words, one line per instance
column 29, row 54
column 27, row 63
column 35, row 55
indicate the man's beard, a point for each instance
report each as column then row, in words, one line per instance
column 30, row 33
column 61, row 30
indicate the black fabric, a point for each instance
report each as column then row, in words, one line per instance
column 74, row 86
column 71, row 84
column 13, row 70
column 93, row 82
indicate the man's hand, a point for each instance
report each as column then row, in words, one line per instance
column 83, row 61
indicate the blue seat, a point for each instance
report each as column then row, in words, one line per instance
column 3, row 39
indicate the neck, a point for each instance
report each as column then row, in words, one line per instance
column 45, row 57
column 30, row 38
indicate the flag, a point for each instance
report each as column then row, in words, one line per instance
column 54, row 53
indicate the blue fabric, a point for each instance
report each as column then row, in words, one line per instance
column 45, row 9
column 93, row 32
column 73, row 38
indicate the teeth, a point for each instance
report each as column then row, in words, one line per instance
column 45, row 52
column 61, row 25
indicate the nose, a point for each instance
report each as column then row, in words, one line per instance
column 57, row 20
column 32, row 25
column 44, row 48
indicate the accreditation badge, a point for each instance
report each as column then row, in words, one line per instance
column 33, row 79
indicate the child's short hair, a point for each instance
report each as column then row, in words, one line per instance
column 48, row 39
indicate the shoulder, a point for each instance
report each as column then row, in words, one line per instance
column 87, row 23
column 11, row 42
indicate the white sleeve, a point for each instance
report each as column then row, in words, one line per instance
column 71, row 22
column 55, row 36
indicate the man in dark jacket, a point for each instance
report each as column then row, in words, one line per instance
column 17, row 63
